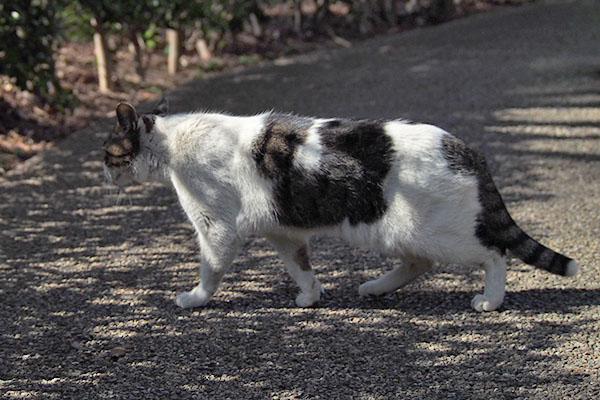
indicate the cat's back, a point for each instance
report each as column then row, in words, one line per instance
column 359, row 146
column 325, row 171
column 210, row 130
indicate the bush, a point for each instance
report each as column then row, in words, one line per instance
column 28, row 29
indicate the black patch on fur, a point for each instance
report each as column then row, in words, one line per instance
column 558, row 264
column 335, row 123
column 274, row 149
column 534, row 255
column 148, row 122
column 356, row 157
column 302, row 259
column 518, row 240
column 162, row 107
column 494, row 218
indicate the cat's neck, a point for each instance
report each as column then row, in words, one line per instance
column 206, row 124
column 202, row 140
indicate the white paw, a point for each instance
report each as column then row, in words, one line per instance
column 191, row 300
column 483, row 303
column 305, row 299
column 369, row 288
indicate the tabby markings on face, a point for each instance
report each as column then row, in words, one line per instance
column 120, row 148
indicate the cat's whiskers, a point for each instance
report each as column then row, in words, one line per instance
column 122, row 194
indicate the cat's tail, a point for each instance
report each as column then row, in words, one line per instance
column 531, row 252
column 495, row 228
column 498, row 229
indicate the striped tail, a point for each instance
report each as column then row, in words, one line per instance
column 495, row 227
column 531, row 252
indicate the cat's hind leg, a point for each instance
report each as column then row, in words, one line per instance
column 410, row 269
column 295, row 255
column 495, row 281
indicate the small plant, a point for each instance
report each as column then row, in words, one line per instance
column 249, row 59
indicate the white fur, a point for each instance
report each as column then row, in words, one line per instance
column 396, row 278
column 310, row 287
column 572, row 268
column 308, row 155
column 437, row 207
column 495, row 279
column 430, row 217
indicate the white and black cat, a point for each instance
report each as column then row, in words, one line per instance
column 409, row 190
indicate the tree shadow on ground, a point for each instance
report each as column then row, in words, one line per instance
column 87, row 306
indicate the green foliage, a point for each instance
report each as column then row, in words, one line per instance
column 28, row 29
column 151, row 36
column 75, row 22
column 249, row 59
column 147, row 15
column 216, row 64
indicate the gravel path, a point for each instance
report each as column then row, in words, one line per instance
column 86, row 283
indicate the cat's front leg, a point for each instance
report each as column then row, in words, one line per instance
column 294, row 253
column 218, row 248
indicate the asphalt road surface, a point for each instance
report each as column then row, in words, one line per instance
column 87, row 278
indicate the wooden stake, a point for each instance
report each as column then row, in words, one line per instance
column 102, row 63
column 173, row 60
column 203, row 50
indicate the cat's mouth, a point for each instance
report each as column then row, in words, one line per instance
column 119, row 176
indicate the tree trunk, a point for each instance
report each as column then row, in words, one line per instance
column 255, row 24
column 298, row 17
column 138, row 56
column 173, row 60
column 441, row 10
column 203, row 50
column 388, row 12
column 318, row 20
column 322, row 11
column 102, row 60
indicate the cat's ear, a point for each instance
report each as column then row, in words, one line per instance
column 161, row 108
column 127, row 116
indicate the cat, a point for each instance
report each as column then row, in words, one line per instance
column 405, row 189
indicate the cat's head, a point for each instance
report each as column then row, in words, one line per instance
column 126, row 150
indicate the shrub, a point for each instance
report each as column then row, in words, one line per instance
column 28, row 30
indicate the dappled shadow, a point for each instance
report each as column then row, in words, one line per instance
column 87, row 294
column 87, row 330
column 87, row 304
column 88, row 277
